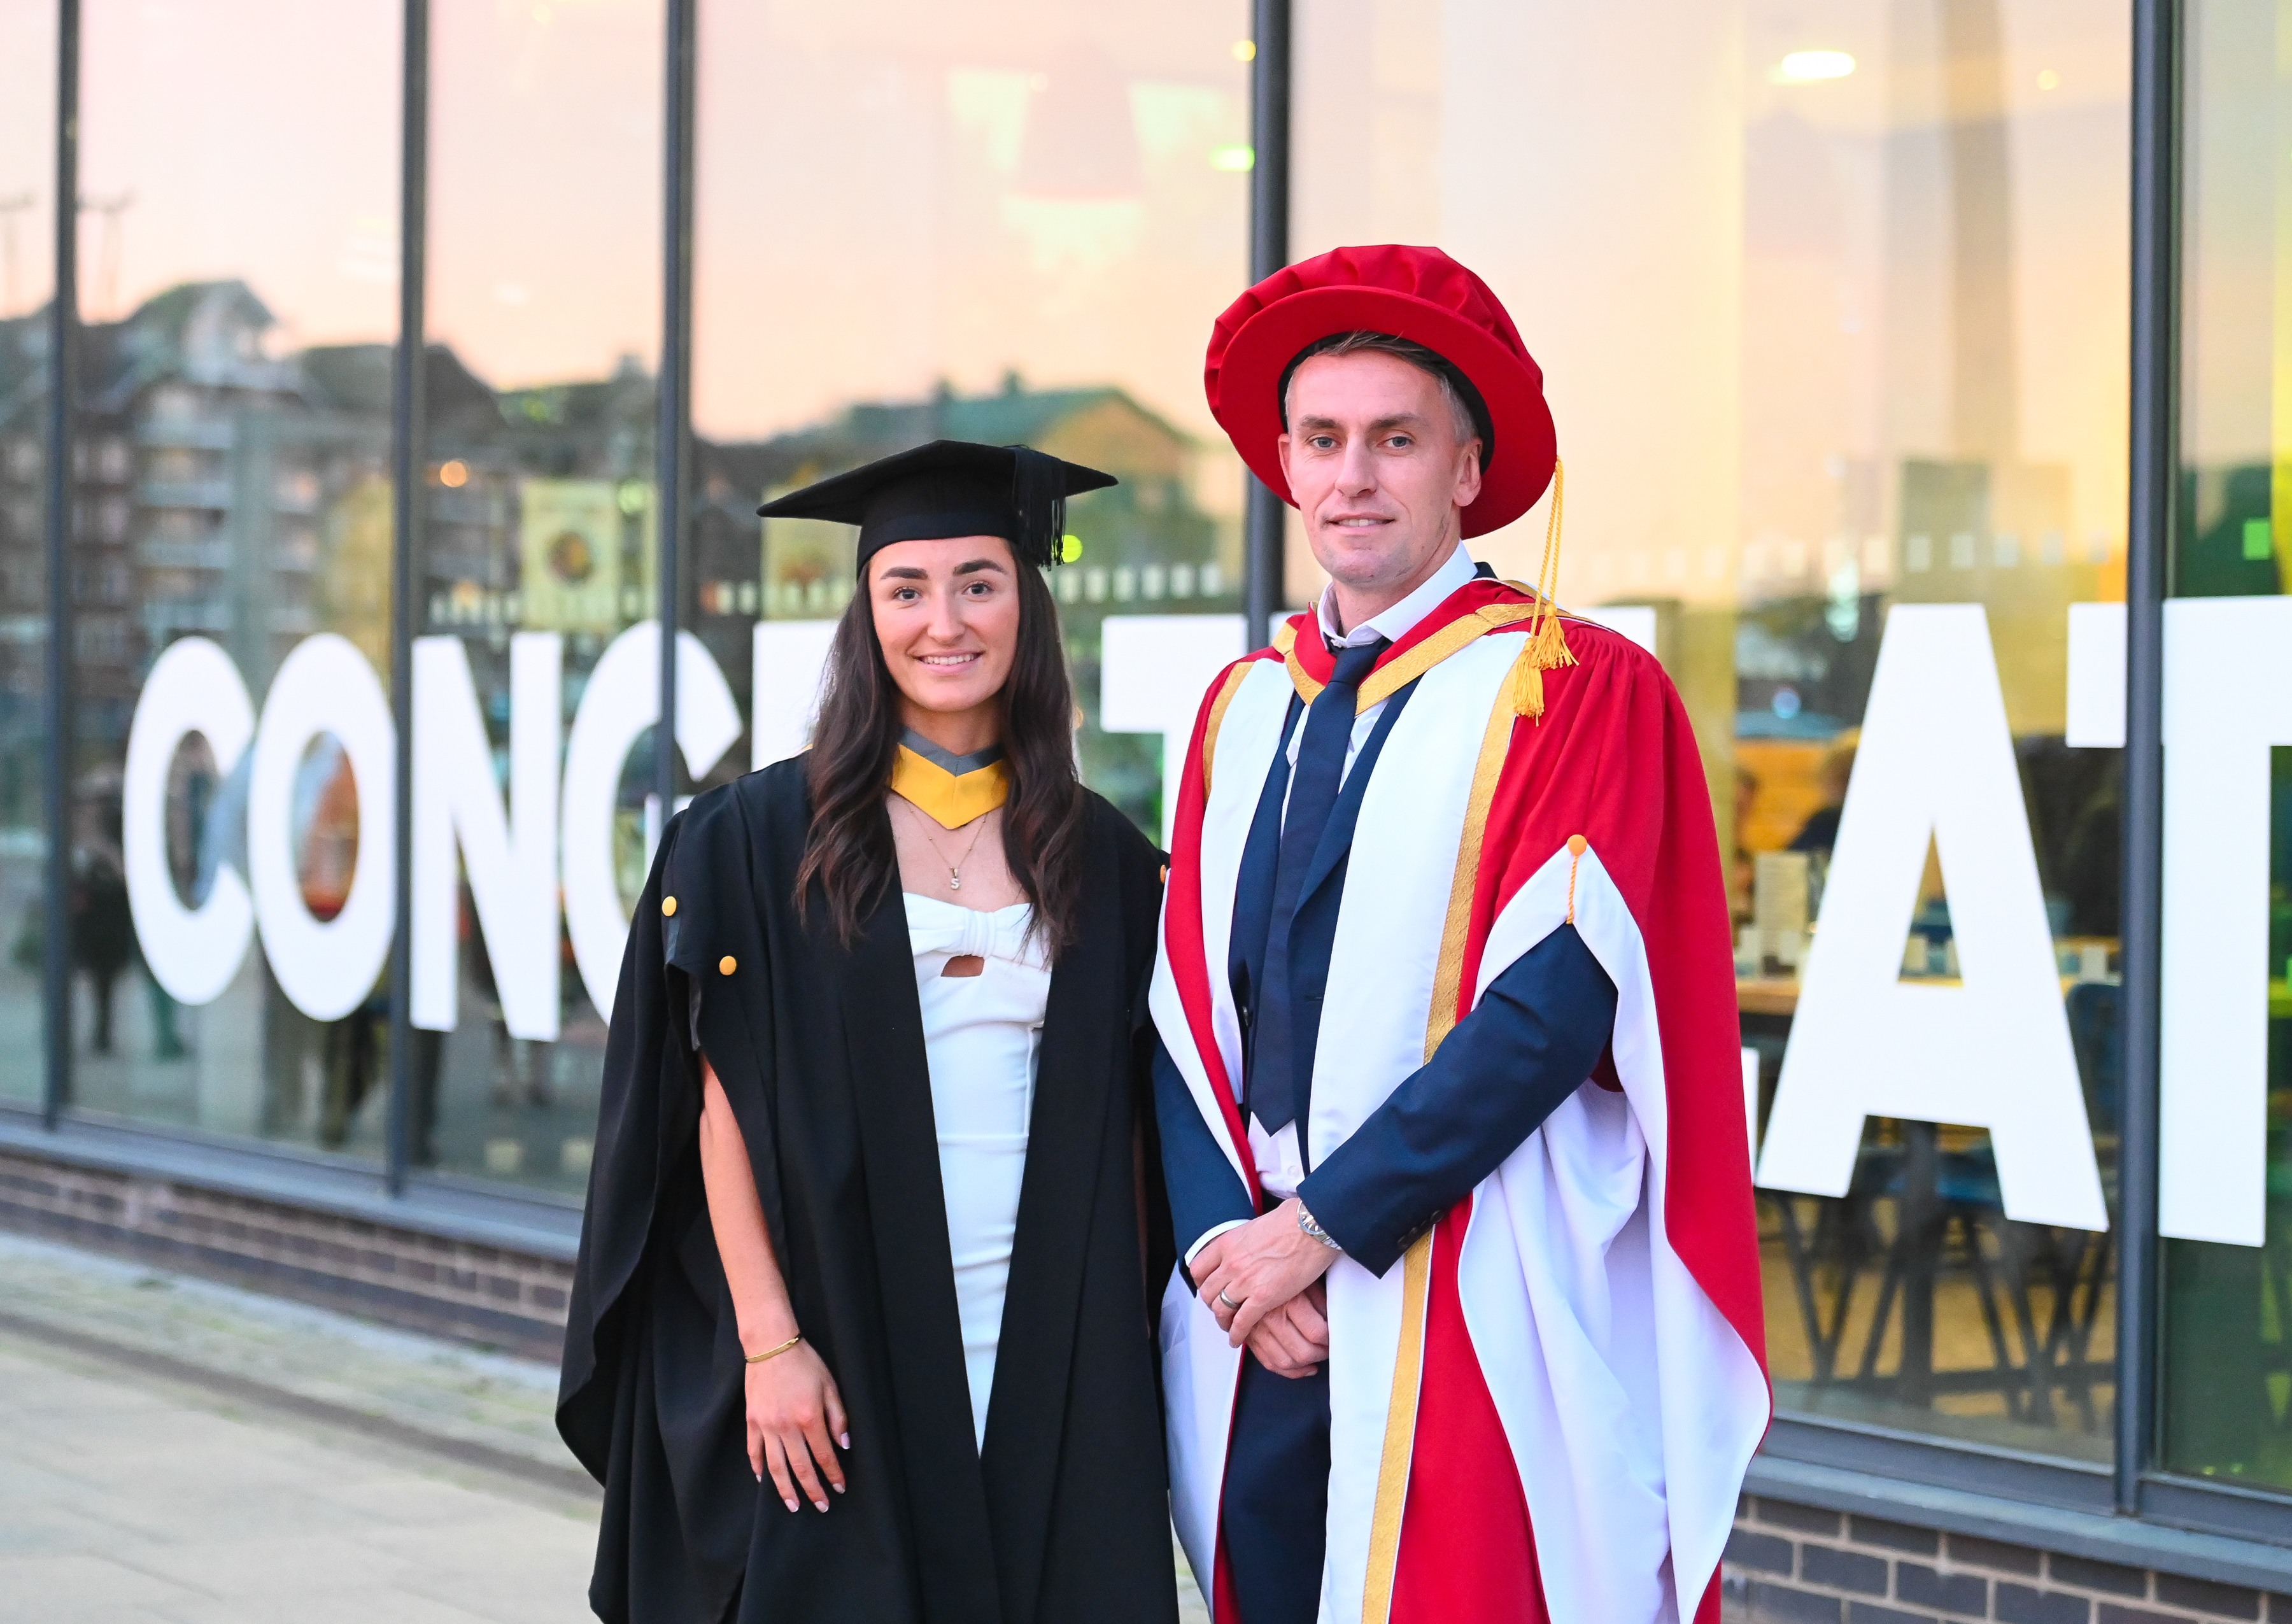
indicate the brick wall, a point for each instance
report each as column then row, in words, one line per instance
column 487, row 1295
column 1794, row 1564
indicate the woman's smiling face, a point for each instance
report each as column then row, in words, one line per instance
column 947, row 618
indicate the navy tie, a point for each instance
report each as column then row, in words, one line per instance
column 1272, row 1087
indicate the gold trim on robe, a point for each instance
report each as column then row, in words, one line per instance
column 1416, row 1264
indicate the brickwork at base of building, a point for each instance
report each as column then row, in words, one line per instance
column 489, row 1296
column 1795, row 1564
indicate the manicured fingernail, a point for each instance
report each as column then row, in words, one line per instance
column 821, row 1505
column 790, row 1505
column 837, row 1487
column 843, row 1439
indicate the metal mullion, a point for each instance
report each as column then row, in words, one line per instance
column 2155, row 357
column 1265, row 523
column 409, row 453
column 56, row 706
column 673, row 432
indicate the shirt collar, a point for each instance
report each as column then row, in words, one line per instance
column 1396, row 622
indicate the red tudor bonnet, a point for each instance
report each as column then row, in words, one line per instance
column 1418, row 294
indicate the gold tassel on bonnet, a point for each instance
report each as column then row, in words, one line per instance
column 1546, row 648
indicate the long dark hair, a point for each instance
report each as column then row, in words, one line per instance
column 850, row 850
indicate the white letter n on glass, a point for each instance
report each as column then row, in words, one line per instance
column 511, row 856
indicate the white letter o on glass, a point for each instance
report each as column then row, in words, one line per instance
column 325, row 686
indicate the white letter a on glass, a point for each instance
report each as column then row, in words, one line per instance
column 1936, row 763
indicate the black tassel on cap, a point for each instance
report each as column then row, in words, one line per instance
column 1038, row 491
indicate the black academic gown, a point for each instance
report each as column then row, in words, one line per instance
column 1063, row 1513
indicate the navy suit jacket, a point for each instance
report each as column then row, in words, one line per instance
column 1530, row 1042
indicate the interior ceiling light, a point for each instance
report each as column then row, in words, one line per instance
column 1807, row 66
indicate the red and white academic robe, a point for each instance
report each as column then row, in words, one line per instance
column 1605, row 1277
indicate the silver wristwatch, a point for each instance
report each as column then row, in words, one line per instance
column 1305, row 1222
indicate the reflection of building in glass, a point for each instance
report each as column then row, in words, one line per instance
column 220, row 490
column 1142, row 547
column 2228, row 546
column 224, row 491
column 1142, row 543
column 231, row 491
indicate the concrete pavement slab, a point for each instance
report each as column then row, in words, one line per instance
column 39, row 1588
column 177, row 1452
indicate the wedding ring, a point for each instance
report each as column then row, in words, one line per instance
column 1228, row 1301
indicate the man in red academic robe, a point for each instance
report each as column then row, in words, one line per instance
column 1449, row 1083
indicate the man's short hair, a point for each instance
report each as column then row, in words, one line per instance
column 1465, row 405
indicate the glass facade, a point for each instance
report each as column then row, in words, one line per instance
column 237, row 292
column 28, row 229
column 1003, row 231
column 539, row 562
column 1833, row 324
column 1934, row 390
column 2228, row 1300
column 1832, row 307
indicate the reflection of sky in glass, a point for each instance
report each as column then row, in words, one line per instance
column 1738, row 280
column 243, row 138
column 545, row 186
column 896, row 196
column 891, row 196
column 28, row 53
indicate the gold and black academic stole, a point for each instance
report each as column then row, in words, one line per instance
column 953, row 789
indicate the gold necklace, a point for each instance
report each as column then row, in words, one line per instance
column 953, row 870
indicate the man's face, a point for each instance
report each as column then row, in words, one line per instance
column 1378, row 471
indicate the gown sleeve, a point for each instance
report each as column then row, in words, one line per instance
column 641, row 1190
column 649, row 1100
column 644, row 1402
column 1206, row 1194
column 1530, row 1042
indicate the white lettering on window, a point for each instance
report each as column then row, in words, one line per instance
column 511, row 857
column 1936, row 763
column 1153, row 671
column 789, row 658
column 2228, row 700
column 193, row 952
column 621, row 701
column 325, row 968
column 2096, row 676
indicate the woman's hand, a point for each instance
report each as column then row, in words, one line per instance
column 794, row 1408
column 793, row 1411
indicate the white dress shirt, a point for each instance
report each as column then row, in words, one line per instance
column 1281, row 1168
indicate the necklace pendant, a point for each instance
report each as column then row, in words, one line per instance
column 954, row 880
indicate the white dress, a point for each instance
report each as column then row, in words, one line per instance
column 982, row 1034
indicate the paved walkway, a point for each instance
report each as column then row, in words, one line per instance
column 132, row 1489
column 175, row 1450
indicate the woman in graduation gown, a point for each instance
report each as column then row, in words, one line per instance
column 861, row 1328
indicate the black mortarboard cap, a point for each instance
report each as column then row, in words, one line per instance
column 950, row 487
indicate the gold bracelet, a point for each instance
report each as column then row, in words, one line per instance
column 772, row 1352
